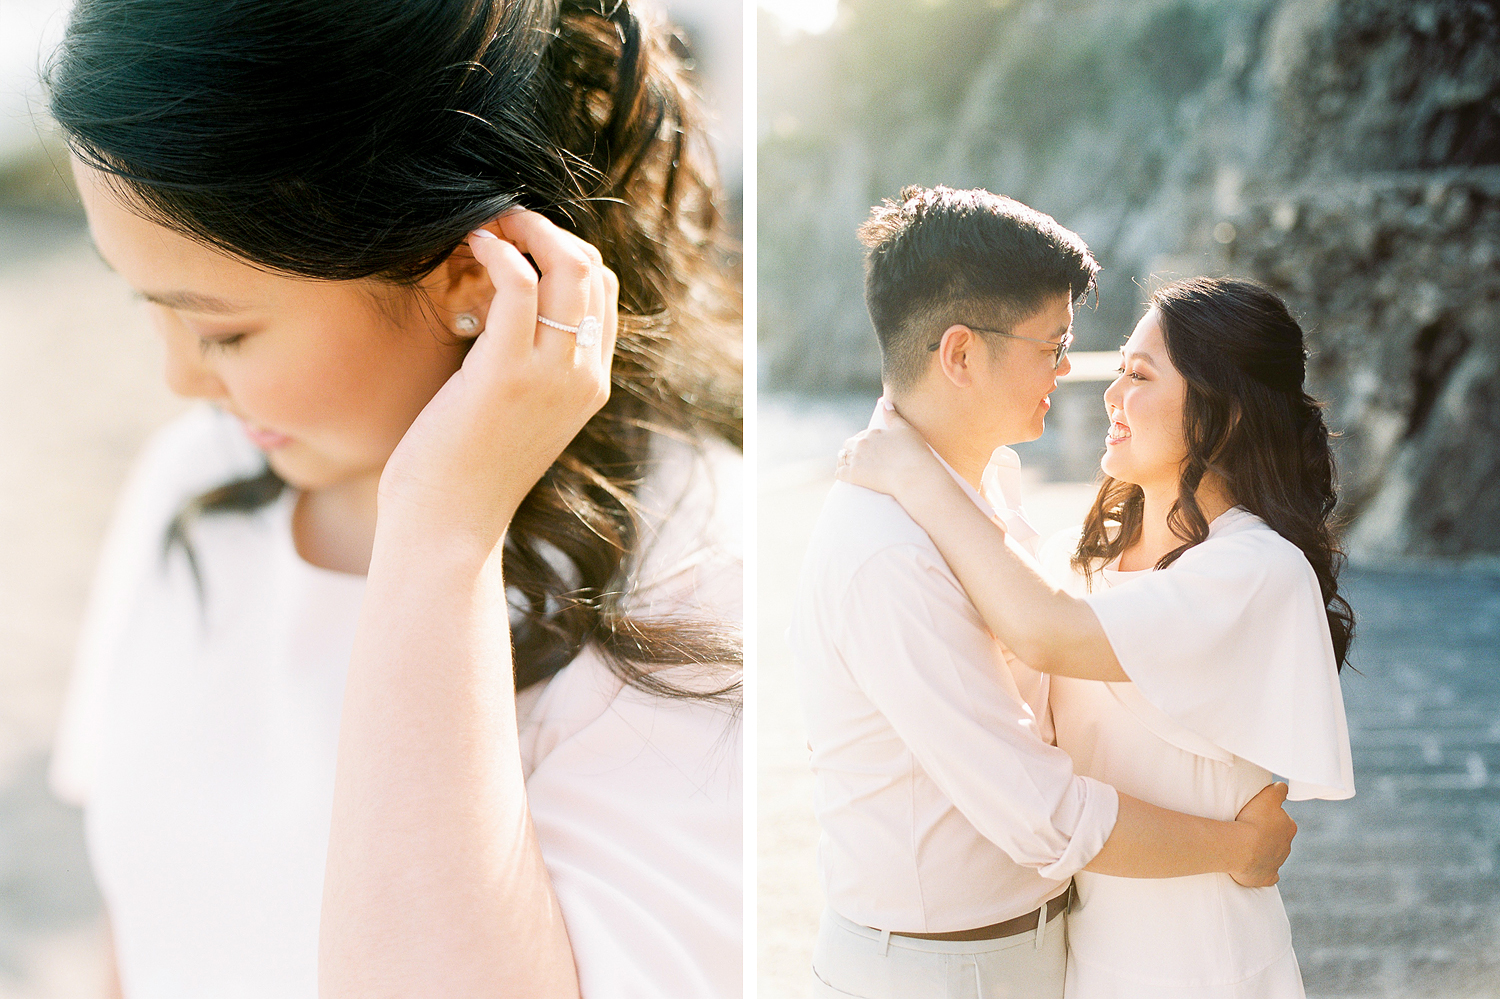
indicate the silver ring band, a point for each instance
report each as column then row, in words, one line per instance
column 586, row 332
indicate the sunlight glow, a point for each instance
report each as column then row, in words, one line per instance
column 811, row 16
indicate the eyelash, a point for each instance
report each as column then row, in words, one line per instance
column 1134, row 375
column 206, row 344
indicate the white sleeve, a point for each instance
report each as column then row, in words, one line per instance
column 1232, row 642
column 197, row 451
column 950, row 697
column 639, row 818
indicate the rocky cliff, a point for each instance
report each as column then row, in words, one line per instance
column 1346, row 152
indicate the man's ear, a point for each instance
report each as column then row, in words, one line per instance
column 457, row 287
column 957, row 354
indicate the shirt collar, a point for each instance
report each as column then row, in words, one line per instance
column 1002, row 485
column 1001, row 480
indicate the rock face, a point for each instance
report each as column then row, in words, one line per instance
column 1345, row 153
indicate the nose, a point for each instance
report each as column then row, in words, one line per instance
column 1114, row 396
column 187, row 372
column 1064, row 366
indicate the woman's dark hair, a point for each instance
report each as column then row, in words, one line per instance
column 345, row 139
column 1247, row 419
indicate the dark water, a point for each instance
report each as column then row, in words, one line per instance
column 1396, row 893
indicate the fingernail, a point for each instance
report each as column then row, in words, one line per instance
column 484, row 234
column 890, row 407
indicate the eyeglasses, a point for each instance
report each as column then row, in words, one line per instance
column 1060, row 347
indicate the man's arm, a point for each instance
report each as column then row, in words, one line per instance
column 920, row 652
column 1152, row 842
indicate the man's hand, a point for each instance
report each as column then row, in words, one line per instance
column 1270, row 831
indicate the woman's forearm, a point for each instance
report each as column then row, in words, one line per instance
column 435, row 883
column 1050, row 630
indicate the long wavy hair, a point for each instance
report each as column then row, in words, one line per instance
column 1247, row 419
column 349, row 139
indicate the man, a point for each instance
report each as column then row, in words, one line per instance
column 950, row 824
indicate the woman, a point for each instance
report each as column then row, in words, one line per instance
column 1204, row 657
column 411, row 665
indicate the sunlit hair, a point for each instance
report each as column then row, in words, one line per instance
column 1247, row 419
column 939, row 256
column 347, row 139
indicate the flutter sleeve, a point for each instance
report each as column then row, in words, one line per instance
column 201, row 449
column 1232, row 642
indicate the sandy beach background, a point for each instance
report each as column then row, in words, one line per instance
column 80, row 388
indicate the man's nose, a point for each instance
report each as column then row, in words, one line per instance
column 1064, row 366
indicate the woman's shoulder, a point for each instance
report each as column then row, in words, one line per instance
column 691, row 522
column 587, row 721
column 1237, row 533
column 688, row 566
column 693, row 486
column 195, row 452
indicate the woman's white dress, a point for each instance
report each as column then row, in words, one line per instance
column 201, row 734
column 1234, row 681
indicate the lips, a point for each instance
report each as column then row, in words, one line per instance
column 264, row 438
column 1118, row 432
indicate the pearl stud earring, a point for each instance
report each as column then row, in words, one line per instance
column 466, row 322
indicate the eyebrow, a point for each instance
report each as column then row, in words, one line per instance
column 1138, row 355
column 192, row 302
column 187, row 301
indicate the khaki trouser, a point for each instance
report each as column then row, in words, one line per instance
column 854, row 960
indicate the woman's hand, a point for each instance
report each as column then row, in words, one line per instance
column 524, row 390
column 887, row 460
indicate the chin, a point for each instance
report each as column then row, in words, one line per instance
column 302, row 471
column 1032, row 432
column 1112, row 468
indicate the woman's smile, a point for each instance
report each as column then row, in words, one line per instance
column 1145, row 401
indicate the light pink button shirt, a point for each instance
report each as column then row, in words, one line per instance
column 942, row 805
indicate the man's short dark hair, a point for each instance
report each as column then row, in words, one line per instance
column 939, row 256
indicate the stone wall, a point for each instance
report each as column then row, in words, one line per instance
column 1346, row 153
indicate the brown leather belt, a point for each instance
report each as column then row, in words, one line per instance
column 998, row 931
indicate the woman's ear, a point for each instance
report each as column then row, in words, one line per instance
column 460, row 290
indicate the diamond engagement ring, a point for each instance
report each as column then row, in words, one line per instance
column 586, row 332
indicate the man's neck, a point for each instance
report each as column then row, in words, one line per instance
column 950, row 435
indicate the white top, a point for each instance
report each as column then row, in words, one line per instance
column 1234, row 679
column 1233, row 643
column 202, row 736
column 941, row 803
